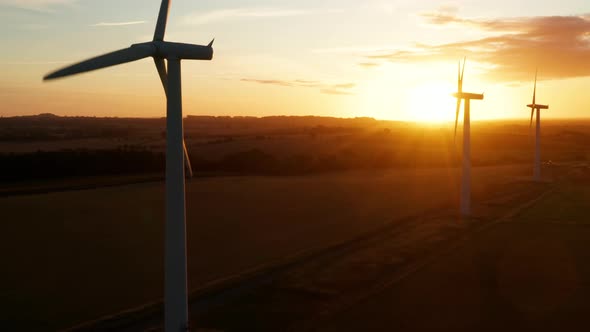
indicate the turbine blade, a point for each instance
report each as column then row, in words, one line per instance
column 459, row 85
column 463, row 72
column 535, row 90
column 532, row 113
column 211, row 43
column 187, row 160
column 161, row 66
column 130, row 54
column 457, row 117
column 162, row 21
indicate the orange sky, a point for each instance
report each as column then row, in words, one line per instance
column 383, row 59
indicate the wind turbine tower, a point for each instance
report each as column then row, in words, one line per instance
column 176, row 292
column 466, row 168
column 537, row 107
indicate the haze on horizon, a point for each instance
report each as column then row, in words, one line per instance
column 383, row 59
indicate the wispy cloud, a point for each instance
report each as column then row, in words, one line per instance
column 357, row 50
column 558, row 45
column 327, row 88
column 37, row 5
column 117, row 24
column 368, row 64
column 236, row 13
column 336, row 92
column 271, row 82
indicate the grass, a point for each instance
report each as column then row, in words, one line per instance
column 528, row 274
column 79, row 255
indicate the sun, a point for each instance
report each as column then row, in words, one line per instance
column 430, row 102
column 417, row 94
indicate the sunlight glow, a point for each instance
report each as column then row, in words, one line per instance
column 430, row 102
column 409, row 93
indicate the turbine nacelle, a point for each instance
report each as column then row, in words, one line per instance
column 467, row 95
column 538, row 106
column 170, row 50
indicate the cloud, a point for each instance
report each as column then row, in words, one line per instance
column 116, row 24
column 236, row 13
column 369, row 64
column 333, row 89
column 444, row 15
column 272, row 82
column 558, row 45
column 335, row 92
column 37, row 5
column 308, row 84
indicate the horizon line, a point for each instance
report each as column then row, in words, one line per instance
column 409, row 121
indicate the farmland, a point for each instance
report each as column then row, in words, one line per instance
column 529, row 272
column 93, row 252
column 76, row 255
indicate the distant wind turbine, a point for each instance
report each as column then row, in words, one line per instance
column 466, row 168
column 176, row 308
column 537, row 107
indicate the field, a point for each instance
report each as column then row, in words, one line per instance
column 528, row 273
column 48, row 147
column 90, row 253
column 73, row 254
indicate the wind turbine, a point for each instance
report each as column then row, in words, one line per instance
column 538, row 107
column 466, row 168
column 175, row 299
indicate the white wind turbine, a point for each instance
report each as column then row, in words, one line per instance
column 537, row 107
column 175, row 299
column 466, row 168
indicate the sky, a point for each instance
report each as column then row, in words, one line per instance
column 384, row 59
